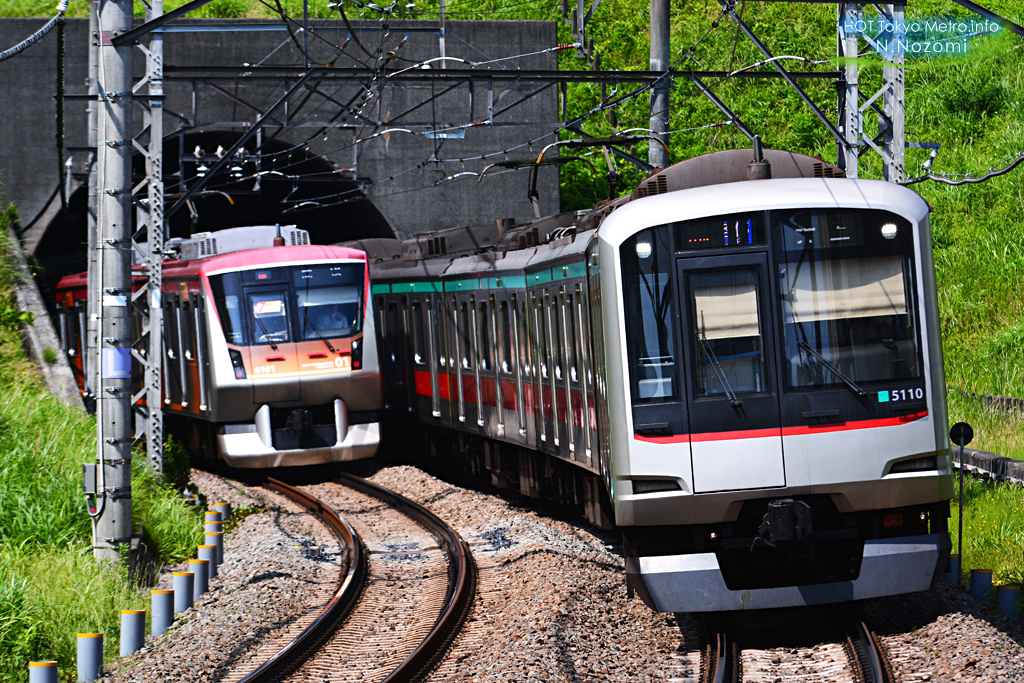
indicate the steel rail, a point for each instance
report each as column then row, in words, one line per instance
column 312, row 636
column 461, row 583
column 865, row 654
column 720, row 661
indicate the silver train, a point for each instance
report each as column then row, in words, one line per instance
column 745, row 376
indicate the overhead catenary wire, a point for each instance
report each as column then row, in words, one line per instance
column 969, row 178
column 62, row 8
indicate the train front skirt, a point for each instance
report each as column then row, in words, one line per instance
column 694, row 582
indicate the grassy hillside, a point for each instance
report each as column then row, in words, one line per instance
column 969, row 104
column 50, row 586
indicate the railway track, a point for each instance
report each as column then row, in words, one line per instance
column 345, row 639
column 723, row 657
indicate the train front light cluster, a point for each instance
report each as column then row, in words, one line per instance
column 357, row 354
column 237, row 364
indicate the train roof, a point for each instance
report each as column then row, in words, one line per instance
column 258, row 258
column 757, row 195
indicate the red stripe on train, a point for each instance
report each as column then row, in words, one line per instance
column 786, row 431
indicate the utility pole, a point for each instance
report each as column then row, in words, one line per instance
column 149, row 198
column 113, row 252
column 89, row 365
column 660, row 61
column 444, row 63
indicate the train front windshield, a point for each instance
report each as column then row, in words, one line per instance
column 846, row 285
column 290, row 303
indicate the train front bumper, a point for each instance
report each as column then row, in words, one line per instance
column 254, row 444
column 694, row 583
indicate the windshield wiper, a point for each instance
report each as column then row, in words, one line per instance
column 717, row 367
column 835, row 371
column 265, row 332
column 305, row 314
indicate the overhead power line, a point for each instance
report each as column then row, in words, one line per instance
column 62, row 7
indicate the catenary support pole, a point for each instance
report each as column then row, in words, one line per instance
column 91, row 322
column 113, row 248
column 660, row 61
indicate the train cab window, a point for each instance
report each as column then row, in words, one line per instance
column 269, row 317
column 847, row 297
column 465, row 337
column 227, row 293
column 729, row 342
column 419, row 354
column 506, row 339
column 647, row 297
column 329, row 299
column 483, row 327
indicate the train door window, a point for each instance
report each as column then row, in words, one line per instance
column 649, row 321
column 269, row 317
column 418, row 346
column 543, row 357
column 557, row 333
column 507, row 362
column 583, row 316
column 186, row 324
column 486, row 351
column 393, row 325
column 171, row 328
column 465, row 337
column 227, row 293
column 730, row 346
column 572, row 329
column 521, row 324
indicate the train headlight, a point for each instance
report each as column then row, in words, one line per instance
column 643, row 249
column 889, row 231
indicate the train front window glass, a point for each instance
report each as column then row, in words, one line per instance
column 227, row 293
column 647, row 297
column 269, row 317
column 329, row 299
column 847, row 297
column 728, row 335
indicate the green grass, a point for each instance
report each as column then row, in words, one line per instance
column 993, row 530
column 51, row 587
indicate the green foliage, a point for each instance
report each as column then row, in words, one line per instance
column 993, row 529
column 12, row 319
column 51, row 587
column 49, row 355
column 176, row 465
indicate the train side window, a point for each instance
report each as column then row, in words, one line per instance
column 486, row 352
column 418, row 347
column 647, row 311
column 227, row 293
column 507, row 361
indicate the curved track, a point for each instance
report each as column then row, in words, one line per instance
column 319, row 640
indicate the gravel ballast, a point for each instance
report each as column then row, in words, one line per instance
column 551, row 605
column 275, row 578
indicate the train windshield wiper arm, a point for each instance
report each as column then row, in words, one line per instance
column 835, row 371
column 305, row 314
column 717, row 367
column 265, row 332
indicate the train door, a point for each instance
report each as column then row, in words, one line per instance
column 174, row 361
column 424, row 374
column 201, row 337
column 736, row 440
column 394, row 358
column 443, row 355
